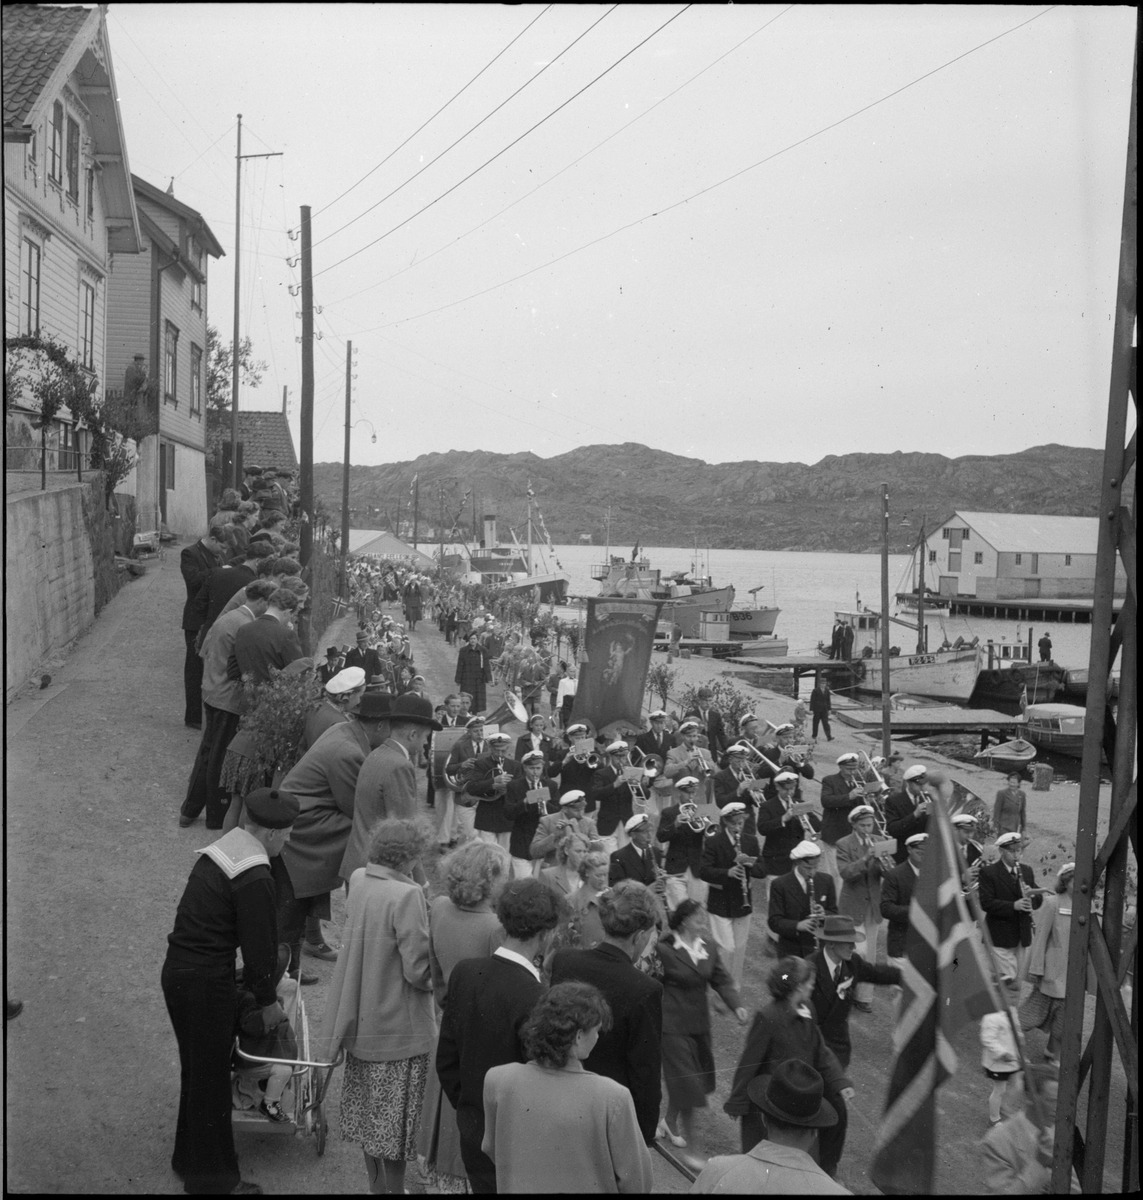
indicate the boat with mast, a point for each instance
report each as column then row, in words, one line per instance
column 511, row 569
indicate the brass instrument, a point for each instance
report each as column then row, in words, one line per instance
column 689, row 815
column 706, row 767
column 761, row 758
column 583, row 751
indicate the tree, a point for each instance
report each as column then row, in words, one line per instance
column 219, row 376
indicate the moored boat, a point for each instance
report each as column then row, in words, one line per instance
column 1007, row 681
column 511, row 569
column 1013, row 755
column 684, row 596
column 1056, row 727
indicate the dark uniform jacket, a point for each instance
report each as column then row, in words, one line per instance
column 896, row 896
column 790, row 904
column 194, row 562
column 998, row 893
column 832, row 1001
column 525, row 817
column 781, row 835
column 612, row 798
column 900, row 821
column 630, row 1052
column 490, row 814
column 837, row 804
column 728, row 896
column 630, row 862
column 684, row 845
column 524, row 746
column 650, row 744
column 576, row 777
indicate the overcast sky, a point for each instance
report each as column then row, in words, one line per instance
column 935, row 273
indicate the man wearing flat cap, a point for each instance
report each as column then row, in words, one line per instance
column 783, row 1163
column 228, row 904
column 1008, row 895
column 387, row 782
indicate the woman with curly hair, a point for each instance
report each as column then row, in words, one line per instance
column 380, row 1008
column 599, row 1147
column 784, row 1029
column 462, row 925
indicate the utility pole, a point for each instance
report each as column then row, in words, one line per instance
column 886, row 749
column 307, row 409
column 440, row 529
column 416, row 505
column 238, row 157
column 345, row 472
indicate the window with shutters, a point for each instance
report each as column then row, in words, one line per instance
column 30, row 302
column 87, row 326
column 171, row 364
column 73, row 159
column 55, row 149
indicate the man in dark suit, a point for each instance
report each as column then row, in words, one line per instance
column 1008, row 906
column 194, row 563
column 907, row 811
column 793, row 898
column 782, row 819
column 639, row 858
column 530, row 796
column 222, row 582
column 839, row 969
column 897, row 895
column 728, row 853
column 656, row 740
column 684, row 846
column 737, row 781
column 631, row 1051
column 841, row 793
column 575, row 776
column 267, row 642
column 491, row 776
column 612, row 797
column 331, row 666
column 364, row 656
column 488, row 1001
column 712, row 725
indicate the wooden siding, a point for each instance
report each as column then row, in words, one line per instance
column 166, row 220
column 175, row 420
column 129, row 313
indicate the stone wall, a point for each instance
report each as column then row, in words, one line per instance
column 59, row 566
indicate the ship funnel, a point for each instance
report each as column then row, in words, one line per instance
column 489, row 525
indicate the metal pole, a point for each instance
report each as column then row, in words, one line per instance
column 307, row 408
column 416, row 505
column 345, row 474
column 234, row 344
column 886, row 748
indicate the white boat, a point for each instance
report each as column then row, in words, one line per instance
column 1056, row 727
column 684, row 597
column 1013, row 755
column 753, row 622
column 940, row 674
column 511, row 569
column 764, row 647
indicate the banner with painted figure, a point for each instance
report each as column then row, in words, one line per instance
column 617, row 655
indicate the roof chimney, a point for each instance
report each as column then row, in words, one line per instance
column 171, row 187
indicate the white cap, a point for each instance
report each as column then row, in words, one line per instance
column 745, row 720
column 531, row 756
column 687, row 781
column 1066, row 869
column 735, row 806
column 916, row 771
column 472, row 722
column 500, row 738
column 738, row 748
column 862, row 810
column 806, row 849
column 576, row 728
column 848, row 757
column 1006, row 839
column 572, row 796
column 633, row 823
column 916, row 839
column 784, row 776
column 659, row 712
column 346, row 681
column 784, row 728
column 617, row 747
column 964, row 819
column 689, row 725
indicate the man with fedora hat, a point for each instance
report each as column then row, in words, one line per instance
column 782, row 1163
column 366, row 657
column 331, row 666
column 324, row 781
column 839, row 970
column 387, row 782
column 228, row 904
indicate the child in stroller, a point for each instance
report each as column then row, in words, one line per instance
column 275, row 1042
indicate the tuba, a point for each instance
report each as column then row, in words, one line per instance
column 510, row 709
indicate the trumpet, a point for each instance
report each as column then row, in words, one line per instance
column 583, row 751
column 705, row 765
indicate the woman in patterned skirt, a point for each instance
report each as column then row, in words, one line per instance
column 380, row 1005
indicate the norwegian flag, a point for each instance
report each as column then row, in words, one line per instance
column 340, row 607
column 947, row 985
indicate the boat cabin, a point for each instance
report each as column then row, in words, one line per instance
column 1067, row 719
column 866, row 628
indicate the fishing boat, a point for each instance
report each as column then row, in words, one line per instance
column 685, row 595
column 1076, row 680
column 512, row 569
column 911, row 590
column 1010, row 674
column 1056, row 727
column 1013, row 755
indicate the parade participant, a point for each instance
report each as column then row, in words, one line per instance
column 683, row 831
column 1000, row 1061
column 575, row 772
column 331, row 666
column 380, row 1007
column 1008, row 894
column 839, row 971
column 973, row 851
column 689, row 758
column 897, row 895
column 1010, row 811
column 194, row 563
column 690, row 965
column 530, row 796
column 656, row 740
column 1018, row 1152
column 612, row 797
column 782, row 1164
column 781, row 752
column 639, row 859
column 800, row 901
column 782, row 1030
column 366, row 658
column 728, row 853
column 463, row 807
column 536, row 739
column 1048, row 964
column 531, row 673
column 784, row 820
column 474, row 671
column 488, row 1001
column 222, row 703
column 490, row 776
column 821, row 702
column 711, row 722
column 631, row 1051
column 265, row 643
column 339, row 697
column 861, row 871
column 387, row 782
column 907, row 811
column 737, row 781
column 412, row 603
column 598, row 1148
column 570, row 815
column 841, row 793
column 228, row 904
column 324, row 781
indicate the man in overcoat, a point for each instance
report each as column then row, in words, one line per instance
column 1008, row 906
column 474, row 672
column 793, row 897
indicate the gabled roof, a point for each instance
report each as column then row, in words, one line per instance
column 386, row 545
column 1032, row 533
column 36, row 40
column 192, row 216
column 266, row 440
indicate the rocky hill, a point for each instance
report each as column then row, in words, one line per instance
column 662, row 499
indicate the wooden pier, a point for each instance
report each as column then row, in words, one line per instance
column 929, row 720
column 1027, row 608
column 799, row 665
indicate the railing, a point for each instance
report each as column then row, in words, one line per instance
column 51, row 460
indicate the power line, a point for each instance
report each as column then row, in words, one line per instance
column 208, row 149
column 662, row 100
column 703, row 191
column 510, row 144
column 435, row 115
column 467, row 132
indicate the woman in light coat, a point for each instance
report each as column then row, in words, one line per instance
column 380, row 1005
